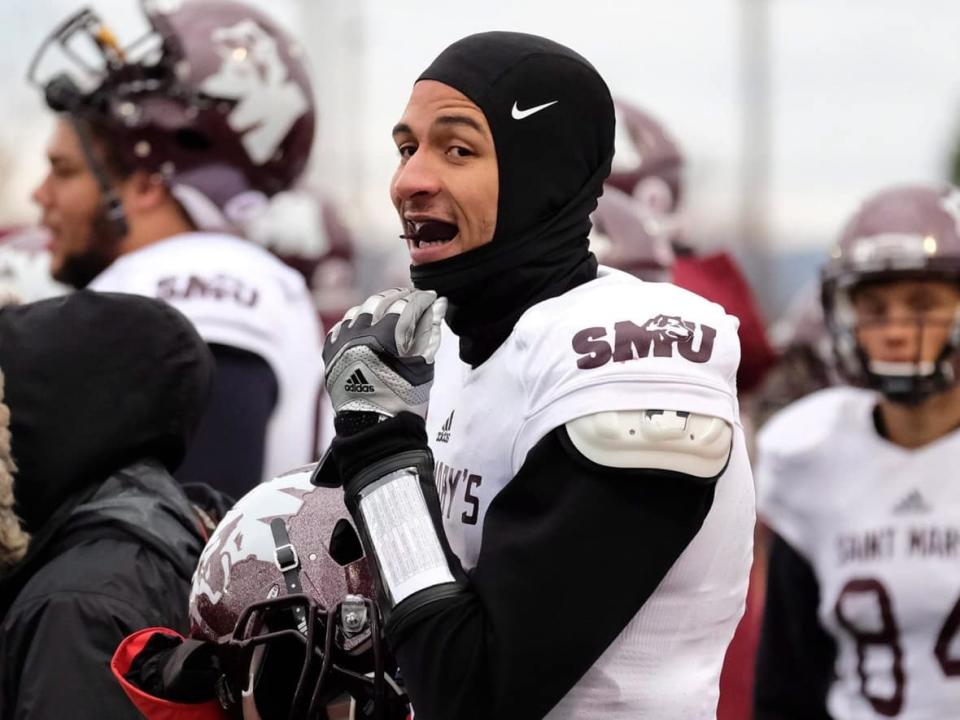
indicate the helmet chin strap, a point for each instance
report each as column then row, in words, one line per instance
column 113, row 215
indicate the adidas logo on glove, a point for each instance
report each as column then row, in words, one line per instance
column 357, row 383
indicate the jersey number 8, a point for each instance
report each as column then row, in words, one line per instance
column 888, row 636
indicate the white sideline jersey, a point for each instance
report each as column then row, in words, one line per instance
column 615, row 343
column 880, row 526
column 238, row 294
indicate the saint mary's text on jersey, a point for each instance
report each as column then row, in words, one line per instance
column 885, row 543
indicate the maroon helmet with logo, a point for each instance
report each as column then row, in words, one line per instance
column 645, row 150
column 304, row 230
column 284, row 589
column 904, row 232
column 215, row 99
column 621, row 239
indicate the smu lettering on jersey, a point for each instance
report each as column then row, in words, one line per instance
column 615, row 343
column 880, row 526
column 238, row 294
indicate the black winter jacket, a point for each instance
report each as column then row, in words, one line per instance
column 105, row 392
column 122, row 561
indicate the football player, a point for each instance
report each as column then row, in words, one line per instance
column 281, row 621
column 161, row 151
column 857, row 483
column 553, row 484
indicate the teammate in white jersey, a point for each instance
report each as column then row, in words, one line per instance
column 859, row 485
column 161, row 150
column 567, row 531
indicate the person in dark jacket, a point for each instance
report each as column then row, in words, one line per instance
column 104, row 392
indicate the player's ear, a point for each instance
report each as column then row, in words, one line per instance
column 143, row 192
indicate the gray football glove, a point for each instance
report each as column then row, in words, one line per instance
column 379, row 358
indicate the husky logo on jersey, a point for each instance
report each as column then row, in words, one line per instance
column 444, row 434
column 669, row 327
column 357, row 383
column 253, row 73
column 662, row 333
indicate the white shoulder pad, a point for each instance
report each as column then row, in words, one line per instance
column 692, row 444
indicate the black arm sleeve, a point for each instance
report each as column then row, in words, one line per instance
column 795, row 659
column 571, row 551
column 228, row 447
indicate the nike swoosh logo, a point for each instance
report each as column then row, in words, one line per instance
column 518, row 114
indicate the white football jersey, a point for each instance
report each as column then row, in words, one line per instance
column 880, row 526
column 238, row 294
column 615, row 343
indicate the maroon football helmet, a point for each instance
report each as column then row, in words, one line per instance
column 903, row 232
column 648, row 166
column 284, row 590
column 214, row 98
column 620, row 238
column 645, row 150
column 304, row 230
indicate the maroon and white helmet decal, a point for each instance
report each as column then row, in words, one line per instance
column 902, row 232
column 239, row 565
column 622, row 238
column 648, row 163
column 216, row 100
column 304, row 229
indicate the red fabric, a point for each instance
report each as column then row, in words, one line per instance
column 717, row 278
column 154, row 708
column 737, row 677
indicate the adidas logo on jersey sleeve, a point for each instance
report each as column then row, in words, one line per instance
column 357, row 383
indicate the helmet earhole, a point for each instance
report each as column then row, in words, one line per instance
column 345, row 546
column 192, row 140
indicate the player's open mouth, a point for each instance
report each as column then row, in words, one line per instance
column 429, row 233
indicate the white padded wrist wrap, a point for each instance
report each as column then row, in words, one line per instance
column 404, row 540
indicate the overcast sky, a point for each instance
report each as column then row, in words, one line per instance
column 863, row 93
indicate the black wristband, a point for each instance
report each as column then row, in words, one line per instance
column 353, row 453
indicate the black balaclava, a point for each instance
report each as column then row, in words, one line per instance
column 552, row 164
column 94, row 382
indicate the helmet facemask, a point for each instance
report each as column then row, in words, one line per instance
column 904, row 383
column 288, row 658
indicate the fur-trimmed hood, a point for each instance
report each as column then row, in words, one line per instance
column 13, row 540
